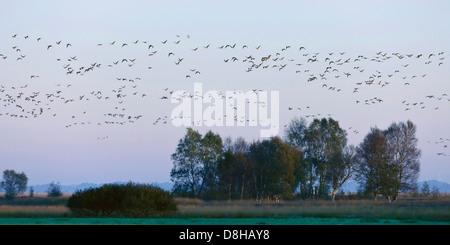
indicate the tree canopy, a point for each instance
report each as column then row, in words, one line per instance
column 312, row 160
column 13, row 183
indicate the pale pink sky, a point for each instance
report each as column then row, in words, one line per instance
column 46, row 150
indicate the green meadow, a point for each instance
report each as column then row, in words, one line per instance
column 53, row 211
column 216, row 221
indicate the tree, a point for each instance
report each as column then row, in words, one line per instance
column 290, row 158
column 266, row 170
column 435, row 192
column 211, row 154
column 13, row 183
column 273, row 166
column 226, row 171
column 322, row 143
column 54, row 190
column 240, row 149
column 372, row 154
column 187, row 170
column 31, row 191
column 343, row 170
column 426, row 189
column 295, row 132
column 389, row 160
column 326, row 140
column 295, row 135
column 195, row 164
column 402, row 146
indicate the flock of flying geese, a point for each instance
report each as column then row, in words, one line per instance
column 444, row 145
column 324, row 70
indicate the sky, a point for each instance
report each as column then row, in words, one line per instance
column 83, row 136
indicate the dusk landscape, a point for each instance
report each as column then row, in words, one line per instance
column 225, row 113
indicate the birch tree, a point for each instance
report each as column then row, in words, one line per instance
column 405, row 165
column 187, row 171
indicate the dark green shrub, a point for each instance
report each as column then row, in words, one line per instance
column 130, row 200
column 54, row 190
column 31, row 191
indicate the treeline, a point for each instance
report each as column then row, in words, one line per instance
column 311, row 161
column 14, row 183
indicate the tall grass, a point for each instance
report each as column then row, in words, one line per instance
column 408, row 209
column 9, row 211
column 423, row 210
column 34, row 207
column 35, row 201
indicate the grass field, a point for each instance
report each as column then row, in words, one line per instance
column 48, row 211
column 215, row 221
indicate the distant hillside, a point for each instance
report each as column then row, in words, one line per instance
column 442, row 186
column 72, row 188
column 347, row 187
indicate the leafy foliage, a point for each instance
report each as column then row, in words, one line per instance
column 389, row 160
column 54, row 190
column 312, row 162
column 130, row 200
column 13, row 183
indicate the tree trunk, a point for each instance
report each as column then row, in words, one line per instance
column 242, row 187
column 333, row 195
column 339, row 187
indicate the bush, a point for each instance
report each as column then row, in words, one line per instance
column 435, row 192
column 426, row 189
column 13, row 183
column 31, row 191
column 130, row 200
column 54, row 190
